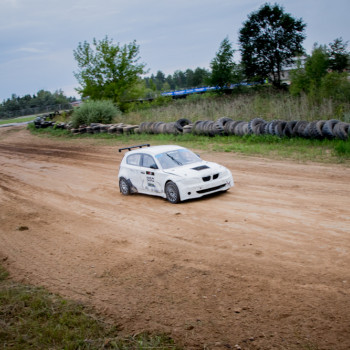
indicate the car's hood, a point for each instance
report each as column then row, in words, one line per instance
column 198, row 169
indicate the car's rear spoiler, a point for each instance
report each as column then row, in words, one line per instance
column 131, row 147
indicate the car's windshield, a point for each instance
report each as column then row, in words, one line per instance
column 177, row 158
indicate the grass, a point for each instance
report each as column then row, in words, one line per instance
column 17, row 120
column 264, row 103
column 297, row 149
column 33, row 318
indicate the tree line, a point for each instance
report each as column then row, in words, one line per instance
column 32, row 104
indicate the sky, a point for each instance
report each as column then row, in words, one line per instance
column 37, row 37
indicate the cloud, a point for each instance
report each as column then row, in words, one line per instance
column 29, row 50
column 37, row 37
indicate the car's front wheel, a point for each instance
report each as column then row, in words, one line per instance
column 124, row 186
column 172, row 193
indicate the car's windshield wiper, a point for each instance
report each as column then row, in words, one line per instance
column 172, row 158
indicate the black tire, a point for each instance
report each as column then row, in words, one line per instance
column 124, row 186
column 238, row 128
column 155, row 127
column 172, row 192
column 227, row 127
column 224, row 120
column 232, row 126
column 279, row 128
column 300, row 126
column 179, row 124
column 319, row 127
column 340, row 130
column 195, row 127
column 254, row 124
column 288, row 130
column 315, row 130
column 327, row 128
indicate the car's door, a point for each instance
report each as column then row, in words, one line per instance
column 134, row 169
column 151, row 175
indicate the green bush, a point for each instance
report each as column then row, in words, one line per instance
column 101, row 111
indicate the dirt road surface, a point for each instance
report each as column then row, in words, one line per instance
column 264, row 266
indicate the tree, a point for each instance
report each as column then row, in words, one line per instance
column 316, row 66
column 159, row 80
column 269, row 40
column 223, row 65
column 201, row 77
column 339, row 57
column 179, row 79
column 308, row 78
column 108, row 70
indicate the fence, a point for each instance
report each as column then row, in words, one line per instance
column 35, row 110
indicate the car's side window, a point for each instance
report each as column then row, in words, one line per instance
column 134, row 159
column 148, row 162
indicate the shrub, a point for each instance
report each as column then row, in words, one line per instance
column 101, row 111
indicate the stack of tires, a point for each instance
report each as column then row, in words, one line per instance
column 96, row 128
column 320, row 129
column 42, row 122
column 173, row 128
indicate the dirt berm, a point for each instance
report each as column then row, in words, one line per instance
column 264, row 266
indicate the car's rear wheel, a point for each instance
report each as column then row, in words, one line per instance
column 124, row 187
column 172, row 193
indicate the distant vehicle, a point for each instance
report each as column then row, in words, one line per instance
column 171, row 172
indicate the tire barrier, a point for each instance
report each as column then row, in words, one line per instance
column 45, row 121
column 164, row 128
column 319, row 129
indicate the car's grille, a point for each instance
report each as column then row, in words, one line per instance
column 211, row 189
column 208, row 178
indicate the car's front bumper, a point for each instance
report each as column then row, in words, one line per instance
column 188, row 191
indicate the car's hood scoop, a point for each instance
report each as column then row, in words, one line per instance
column 201, row 167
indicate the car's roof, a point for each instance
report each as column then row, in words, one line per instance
column 154, row 150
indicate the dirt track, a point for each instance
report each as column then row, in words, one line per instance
column 263, row 266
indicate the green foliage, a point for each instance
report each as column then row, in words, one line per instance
column 316, row 68
column 17, row 120
column 102, row 111
column 270, row 39
column 179, row 80
column 32, row 318
column 26, row 105
column 223, row 66
column 108, row 70
column 242, row 104
column 339, row 57
column 3, row 274
column 336, row 86
column 317, row 81
column 342, row 149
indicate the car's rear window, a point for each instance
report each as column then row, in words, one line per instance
column 133, row 159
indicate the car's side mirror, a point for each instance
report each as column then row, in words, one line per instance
column 154, row 166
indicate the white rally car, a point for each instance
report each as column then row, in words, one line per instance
column 171, row 172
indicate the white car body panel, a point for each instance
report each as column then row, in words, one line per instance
column 193, row 180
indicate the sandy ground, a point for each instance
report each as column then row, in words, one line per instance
column 264, row 266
